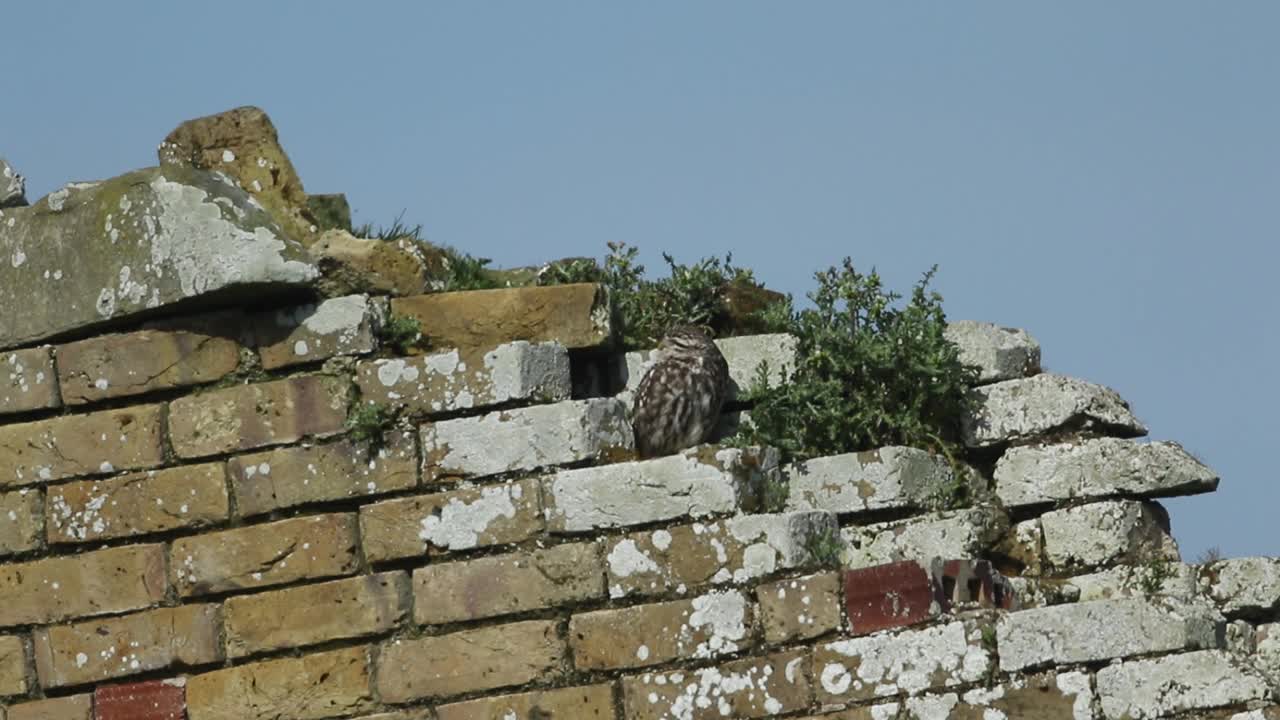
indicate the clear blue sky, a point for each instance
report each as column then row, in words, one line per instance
column 1105, row 175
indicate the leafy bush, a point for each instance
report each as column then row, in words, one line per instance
column 869, row 374
column 368, row 424
column 645, row 309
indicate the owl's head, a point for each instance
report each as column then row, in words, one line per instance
column 686, row 338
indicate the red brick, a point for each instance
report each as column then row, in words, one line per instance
column 148, row 700
column 967, row 582
column 891, row 595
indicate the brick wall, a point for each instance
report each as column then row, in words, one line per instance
column 188, row 530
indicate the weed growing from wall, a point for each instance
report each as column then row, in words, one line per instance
column 401, row 332
column 871, row 372
column 461, row 271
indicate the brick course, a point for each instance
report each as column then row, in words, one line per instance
column 99, row 443
column 27, row 380
column 137, row 504
column 91, row 583
column 110, row 366
column 311, row 687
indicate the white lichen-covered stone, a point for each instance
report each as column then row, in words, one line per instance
column 1102, row 630
column 1161, row 687
column 13, row 189
column 1000, row 353
column 743, row 354
column 1098, row 534
column 1243, row 586
column 449, row 381
column 1266, row 650
column 1174, row 579
column 908, row 662
column 696, row 483
column 1047, row 696
column 1032, row 407
column 525, row 438
column 317, row 331
column 1099, row 467
column 959, row 534
column 891, row 477
column 736, row 550
column 141, row 241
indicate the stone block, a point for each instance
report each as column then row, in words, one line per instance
column 137, row 504
column 313, row 332
column 1103, row 533
column 245, row 417
column 147, row 700
column 395, row 266
column 1243, row 587
column 888, row 478
column 311, row 687
column 28, row 381
column 1161, row 687
column 454, row 520
column 469, row 661
column 1173, row 579
column 99, row 443
column 696, row 483
column 892, row 595
column 576, row 316
column 1000, row 353
column 907, row 662
column 1029, row 408
column 1048, row 696
column 743, row 354
column 72, row 707
column 506, row 584
column 13, row 665
column 21, row 521
column 312, row 614
column 288, row 477
column 106, row 648
column 734, row 550
column 956, row 534
column 1101, row 630
column 302, row 548
column 13, row 187
column 453, row 380
column 526, row 439
column 123, row 365
column 591, row 702
column 1098, row 468
column 140, row 242
column 758, row 687
column 799, row 608
column 100, row 582
column 1022, row 548
column 712, row 625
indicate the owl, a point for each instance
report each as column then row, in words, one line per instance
column 678, row 400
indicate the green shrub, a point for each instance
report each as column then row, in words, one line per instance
column 402, row 332
column 869, row 374
column 368, row 424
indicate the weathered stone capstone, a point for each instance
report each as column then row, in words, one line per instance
column 139, row 242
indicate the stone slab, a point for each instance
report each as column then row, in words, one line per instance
column 316, row 613
column 99, row 582
column 1243, row 587
column 452, row 380
column 575, row 316
column 137, row 504
column 1161, row 687
column 21, row 521
column 1101, row 630
column 313, row 332
column 127, row 364
column 1092, row 536
column 245, row 417
column 455, row 520
column 526, row 439
column 137, row 242
column 1029, row 408
column 954, row 534
column 308, row 547
column 12, row 186
column 799, row 608
column 708, row 626
column 13, row 665
column 28, row 380
column 1000, row 353
column 311, row 687
column 591, row 702
column 696, row 483
column 507, row 584
column 1097, row 468
column 760, row 687
column 283, row 478
column 107, row 648
column 888, row 478
column 469, row 661
column 98, row 443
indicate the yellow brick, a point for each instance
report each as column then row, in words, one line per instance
column 593, row 702
column 92, row 583
column 137, row 504
column 320, row 685
column 95, row 444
